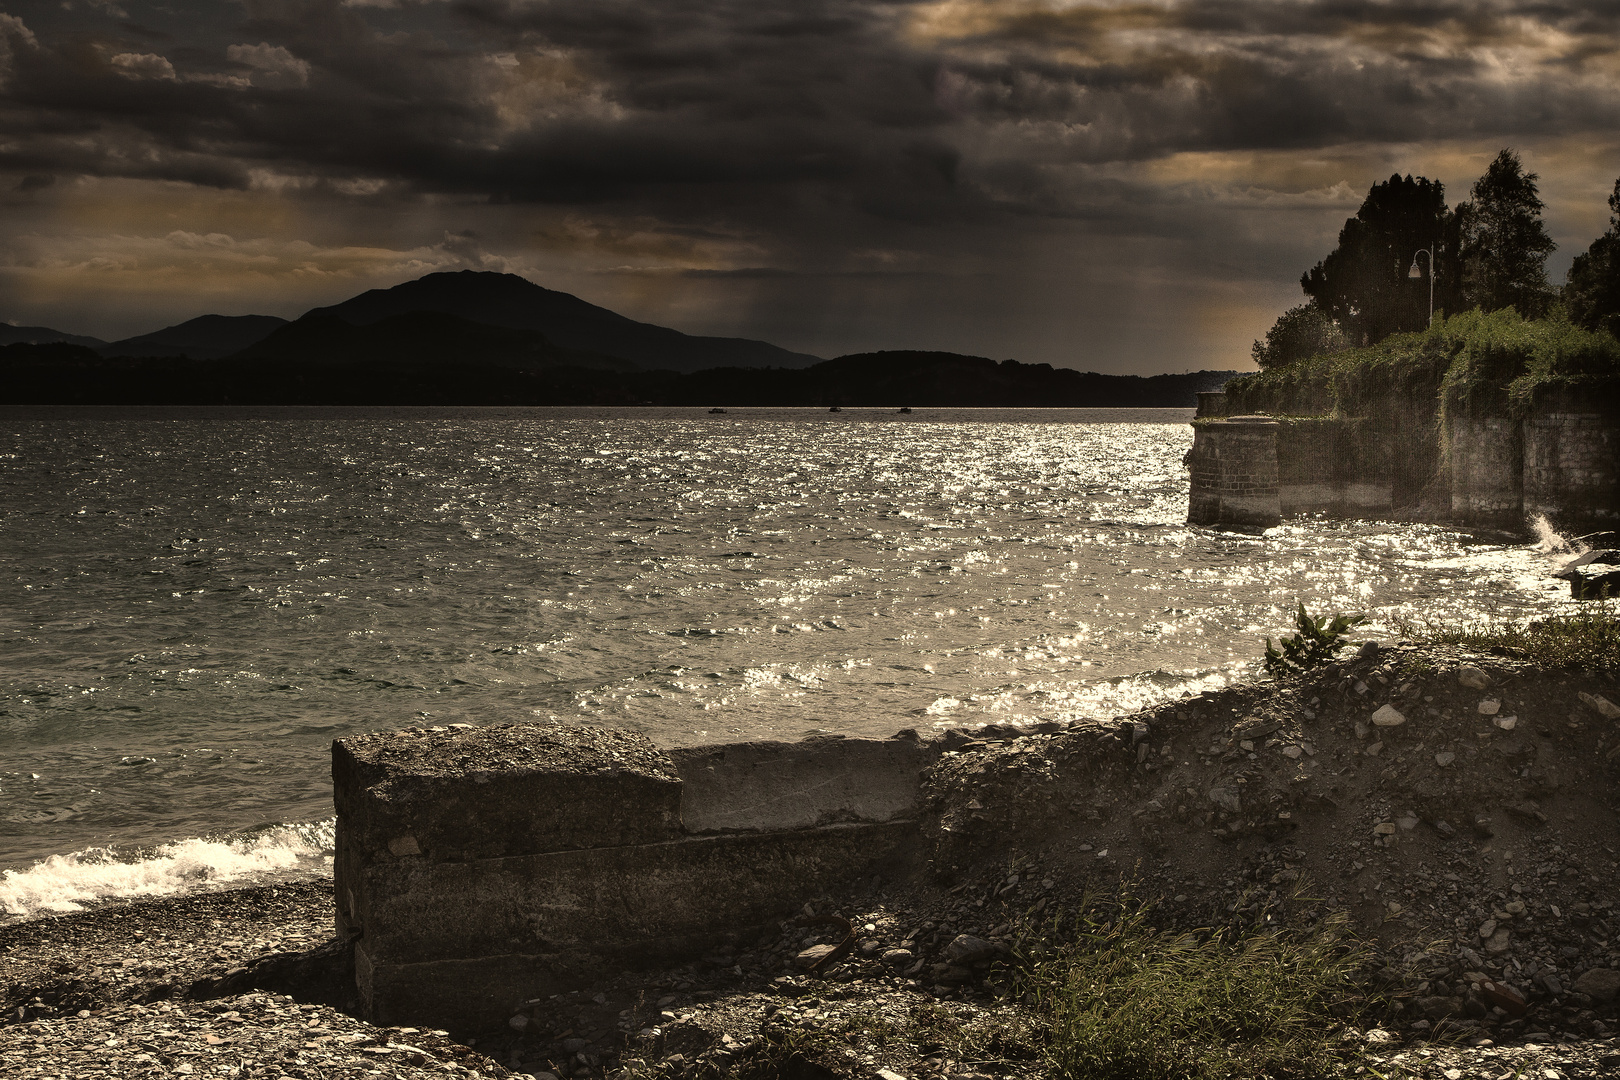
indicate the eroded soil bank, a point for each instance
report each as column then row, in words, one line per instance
column 1472, row 844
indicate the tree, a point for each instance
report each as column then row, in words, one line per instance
column 1593, row 284
column 1505, row 244
column 1363, row 284
column 1298, row 333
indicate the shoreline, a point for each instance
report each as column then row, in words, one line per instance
column 1215, row 806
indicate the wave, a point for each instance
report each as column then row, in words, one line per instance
column 71, row 882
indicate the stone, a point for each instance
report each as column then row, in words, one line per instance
column 1489, row 707
column 1472, row 677
column 1444, row 758
column 1601, row 983
column 966, row 949
column 1487, row 928
column 1601, row 705
column 1384, row 828
column 889, row 1074
column 1292, row 751
column 1503, row 997
column 897, row 957
column 1388, row 716
column 814, row 955
column 1499, row 942
column 1506, row 723
column 518, row 1022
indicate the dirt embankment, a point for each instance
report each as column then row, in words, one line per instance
column 1461, row 809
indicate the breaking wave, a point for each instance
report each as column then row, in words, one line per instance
column 65, row 883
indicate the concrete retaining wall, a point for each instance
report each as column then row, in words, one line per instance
column 1234, row 473
column 1486, row 471
column 1330, row 465
column 478, row 868
column 1572, row 461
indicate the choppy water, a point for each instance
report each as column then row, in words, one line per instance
column 193, row 604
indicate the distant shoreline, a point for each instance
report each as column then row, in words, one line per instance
column 948, row 414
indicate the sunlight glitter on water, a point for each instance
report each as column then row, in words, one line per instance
column 259, row 587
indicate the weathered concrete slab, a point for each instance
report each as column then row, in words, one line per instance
column 478, row 868
column 478, row 793
column 776, row 785
column 466, row 943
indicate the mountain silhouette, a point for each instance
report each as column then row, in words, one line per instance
column 417, row 339
column 506, row 300
column 43, row 335
column 203, row 338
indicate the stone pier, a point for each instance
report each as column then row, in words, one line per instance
column 1233, row 461
column 479, row 868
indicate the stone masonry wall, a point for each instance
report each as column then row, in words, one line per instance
column 1572, row 461
column 1233, row 462
column 1486, row 471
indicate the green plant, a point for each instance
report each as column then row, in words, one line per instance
column 1314, row 645
column 1587, row 639
column 1120, row 998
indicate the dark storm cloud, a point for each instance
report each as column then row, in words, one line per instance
column 897, row 108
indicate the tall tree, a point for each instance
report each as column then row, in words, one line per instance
column 1364, row 284
column 1593, row 288
column 1505, row 243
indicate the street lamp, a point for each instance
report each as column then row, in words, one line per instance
column 1416, row 273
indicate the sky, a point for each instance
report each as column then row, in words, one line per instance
column 1124, row 187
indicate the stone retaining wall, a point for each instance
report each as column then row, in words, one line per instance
column 478, row 868
column 1562, row 461
column 1571, row 464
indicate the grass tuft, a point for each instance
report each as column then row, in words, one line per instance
column 1120, row 999
column 1585, row 640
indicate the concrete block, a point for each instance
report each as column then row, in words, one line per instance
column 774, row 785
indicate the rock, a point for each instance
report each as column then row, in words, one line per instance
column 1601, row 705
column 1291, row 751
column 1489, row 707
column 1504, row 997
column 1506, row 723
column 518, row 1022
column 574, row 1046
column 814, row 955
column 1444, row 758
column 1487, row 928
column 1384, row 828
column 1388, row 716
column 967, row 949
column 889, row 1074
column 897, row 957
column 1472, row 677
column 1500, row 942
column 1600, row 983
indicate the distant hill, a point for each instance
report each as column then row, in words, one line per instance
column 939, row 379
column 41, row 335
column 426, row 358
column 567, row 321
column 416, row 339
column 203, row 338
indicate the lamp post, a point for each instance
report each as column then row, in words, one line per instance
column 1416, row 273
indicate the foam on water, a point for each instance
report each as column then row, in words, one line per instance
column 64, row 883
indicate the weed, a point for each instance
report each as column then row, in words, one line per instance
column 1585, row 640
column 1121, row 999
column 1314, row 645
